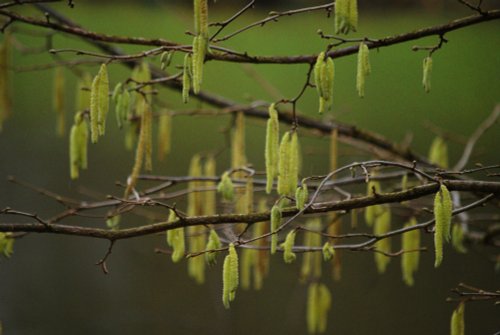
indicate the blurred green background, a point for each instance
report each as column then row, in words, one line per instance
column 51, row 285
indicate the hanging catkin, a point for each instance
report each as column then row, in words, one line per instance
column 427, row 72
column 272, row 148
column 346, row 16
column 275, row 223
column 311, row 261
column 442, row 215
column 175, row 239
column 318, row 304
column 457, row 324
column 324, row 73
column 99, row 103
column 78, row 140
column 288, row 254
column 364, row 68
column 212, row 244
column 186, row 78
column 230, row 276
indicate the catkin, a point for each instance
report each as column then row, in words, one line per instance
column 318, row 304
column 284, row 168
column 382, row 225
column 226, row 187
column 346, row 16
column 78, row 146
column 410, row 260
column 164, row 134
column 212, row 244
column 301, row 196
column 457, row 324
column 272, row 148
column 427, row 71
column 209, row 197
column 294, row 164
column 175, row 239
column 363, row 70
column 324, row 72
column 328, row 251
column 99, row 103
column 186, row 78
column 6, row 244
column 288, row 255
column 275, row 223
column 59, row 101
column 238, row 158
column 230, row 276
column 442, row 215
column 198, row 58
column 438, row 152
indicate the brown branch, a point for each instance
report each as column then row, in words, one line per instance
column 413, row 193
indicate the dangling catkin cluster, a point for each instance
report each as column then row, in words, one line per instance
column 427, row 70
column 272, row 148
column 364, row 69
column 59, row 101
column 121, row 98
column 226, row 187
column 78, row 140
column 301, row 196
column 99, row 103
column 230, row 276
column 442, row 215
column 318, row 304
column 200, row 42
column 175, row 239
column 410, row 260
column 438, row 152
column 346, row 16
column 324, row 72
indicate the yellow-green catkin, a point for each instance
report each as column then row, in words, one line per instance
column 175, row 239
column 438, row 152
column 261, row 259
column 165, row 59
column 346, row 16
column 6, row 244
column 364, row 69
column 121, row 98
column 288, row 254
column 272, row 148
column 186, row 78
column 284, row 164
column 311, row 261
column 5, row 88
column 457, row 238
column 146, row 120
column 301, row 196
column 275, row 223
column 328, row 251
column 164, row 134
column 382, row 226
column 324, row 73
column 294, row 163
column 457, row 323
column 230, row 276
column 99, row 103
column 442, row 215
column 59, row 108
column 200, row 42
column 427, row 72
column 410, row 258
column 226, row 187
column 78, row 140
column 212, row 244
column 318, row 304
